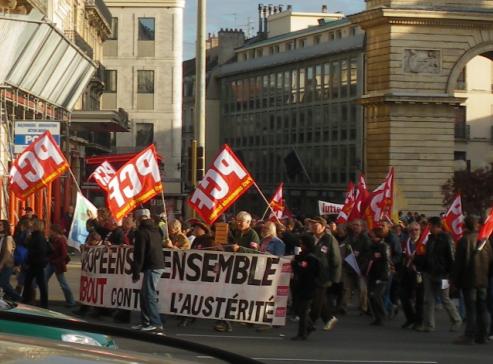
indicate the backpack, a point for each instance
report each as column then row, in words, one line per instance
column 20, row 254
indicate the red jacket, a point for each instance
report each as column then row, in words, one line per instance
column 58, row 257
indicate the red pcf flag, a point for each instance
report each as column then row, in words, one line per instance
column 362, row 195
column 487, row 228
column 39, row 164
column 277, row 204
column 343, row 216
column 422, row 241
column 380, row 202
column 103, row 175
column 135, row 183
column 454, row 220
column 225, row 181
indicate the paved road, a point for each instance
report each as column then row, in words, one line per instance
column 352, row 341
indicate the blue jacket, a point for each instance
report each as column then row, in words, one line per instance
column 276, row 247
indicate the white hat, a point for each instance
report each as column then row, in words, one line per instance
column 139, row 214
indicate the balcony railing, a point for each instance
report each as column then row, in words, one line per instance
column 76, row 38
column 100, row 7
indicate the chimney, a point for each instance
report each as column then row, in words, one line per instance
column 324, row 9
column 265, row 19
column 290, row 7
column 270, row 9
column 260, row 22
column 280, row 8
column 275, row 9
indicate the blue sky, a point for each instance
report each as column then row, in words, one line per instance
column 236, row 13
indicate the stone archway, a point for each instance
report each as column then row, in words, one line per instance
column 416, row 50
column 483, row 49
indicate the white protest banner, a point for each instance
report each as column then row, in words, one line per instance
column 84, row 210
column 249, row 288
column 329, row 208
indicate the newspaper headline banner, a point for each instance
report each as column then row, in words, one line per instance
column 249, row 288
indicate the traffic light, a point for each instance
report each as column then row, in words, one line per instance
column 200, row 163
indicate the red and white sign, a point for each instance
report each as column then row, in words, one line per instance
column 103, row 175
column 329, row 208
column 135, row 183
column 362, row 195
column 225, row 181
column 348, row 205
column 277, row 204
column 487, row 228
column 380, row 202
column 38, row 165
column 454, row 220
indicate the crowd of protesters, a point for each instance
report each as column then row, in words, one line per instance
column 382, row 269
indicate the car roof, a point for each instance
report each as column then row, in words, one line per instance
column 20, row 349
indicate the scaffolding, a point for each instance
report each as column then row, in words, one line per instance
column 16, row 105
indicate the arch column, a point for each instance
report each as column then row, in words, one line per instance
column 413, row 51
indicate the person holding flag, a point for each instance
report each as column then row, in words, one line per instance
column 471, row 272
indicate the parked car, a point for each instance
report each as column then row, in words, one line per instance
column 21, row 350
column 33, row 330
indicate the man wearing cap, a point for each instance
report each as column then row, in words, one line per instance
column 148, row 259
column 327, row 251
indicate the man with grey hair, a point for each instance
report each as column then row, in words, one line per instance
column 243, row 238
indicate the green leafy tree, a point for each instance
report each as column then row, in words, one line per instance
column 476, row 189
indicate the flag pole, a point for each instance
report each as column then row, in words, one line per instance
column 266, row 201
column 165, row 213
column 75, row 179
column 265, row 212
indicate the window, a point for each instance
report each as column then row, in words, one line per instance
column 338, row 34
column 114, row 29
column 461, row 129
column 354, row 77
column 316, row 39
column 260, row 52
column 147, row 29
column 302, row 43
column 145, row 82
column 144, row 135
column 110, row 81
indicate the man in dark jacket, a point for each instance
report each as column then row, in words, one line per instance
column 360, row 244
column 329, row 255
column 473, row 260
column 148, row 259
column 439, row 259
column 306, row 268
column 378, row 273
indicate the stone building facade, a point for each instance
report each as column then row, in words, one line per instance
column 143, row 62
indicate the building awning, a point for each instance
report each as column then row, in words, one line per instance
column 100, row 121
column 38, row 59
column 115, row 159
